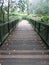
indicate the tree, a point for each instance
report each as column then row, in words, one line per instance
column 21, row 5
column 27, row 2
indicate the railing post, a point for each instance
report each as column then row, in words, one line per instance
column 38, row 27
column 47, row 32
column 0, row 36
column 35, row 24
column 43, row 30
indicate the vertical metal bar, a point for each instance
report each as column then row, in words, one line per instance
column 39, row 27
column 47, row 32
column 35, row 24
column 0, row 35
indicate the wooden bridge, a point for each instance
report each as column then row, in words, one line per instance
column 24, row 47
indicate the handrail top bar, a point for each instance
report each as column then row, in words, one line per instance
column 3, row 24
column 7, row 22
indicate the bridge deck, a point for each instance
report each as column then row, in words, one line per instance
column 24, row 47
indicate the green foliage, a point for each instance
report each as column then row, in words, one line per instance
column 1, row 15
column 43, row 8
column 6, row 8
column 45, row 19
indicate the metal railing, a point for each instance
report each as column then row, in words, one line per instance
column 42, row 29
column 5, row 29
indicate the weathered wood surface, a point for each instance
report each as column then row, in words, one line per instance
column 24, row 47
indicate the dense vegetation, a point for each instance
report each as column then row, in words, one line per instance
column 37, row 10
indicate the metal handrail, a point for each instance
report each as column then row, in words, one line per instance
column 42, row 29
column 6, row 28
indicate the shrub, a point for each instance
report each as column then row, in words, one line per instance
column 45, row 19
